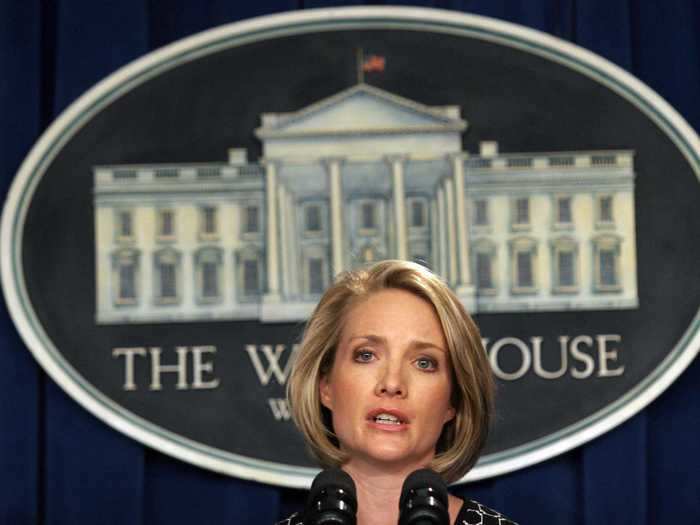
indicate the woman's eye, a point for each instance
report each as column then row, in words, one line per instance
column 363, row 356
column 425, row 363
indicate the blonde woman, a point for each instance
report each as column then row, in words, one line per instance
column 391, row 377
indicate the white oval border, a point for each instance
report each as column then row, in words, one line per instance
column 314, row 20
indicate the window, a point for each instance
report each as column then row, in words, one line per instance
column 484, row 266
column 608, row 275
column 124, row 225
column 481, row 215
column 167, row 264
column 166, row 224
column 312, row 218
column 484, row 276
column 314, row 270
column 368, row 216
column 605, row 209
column 417, row 213
column 522, row 211
column 125, row 274
column 251, row 277
column 564, row 215
column 127, row 282
column 524, row 270
column 210, row 280
column 316, row 283
column 167, row 281
column 524, row 266
column 208, row 226
column 565, row 265
column 208, row 264
column 251, row 219
column 606, row 250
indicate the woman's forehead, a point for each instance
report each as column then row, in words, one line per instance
column 392, row 313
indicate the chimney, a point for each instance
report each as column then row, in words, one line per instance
column 488, row 148
column 237, row 156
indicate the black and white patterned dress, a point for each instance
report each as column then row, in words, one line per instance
column 474, row 513
column 471, row 513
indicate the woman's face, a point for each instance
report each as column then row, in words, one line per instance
column 389, row 388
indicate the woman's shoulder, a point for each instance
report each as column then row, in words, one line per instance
column 475, row 513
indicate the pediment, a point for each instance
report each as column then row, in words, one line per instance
column 362, row 109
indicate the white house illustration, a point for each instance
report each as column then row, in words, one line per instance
column 361, row 176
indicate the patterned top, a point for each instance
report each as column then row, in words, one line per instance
column 474, row 513
column 471, row 513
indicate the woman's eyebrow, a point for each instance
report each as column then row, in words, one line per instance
column 422, row 345
column 415, row 344
column 369, row 337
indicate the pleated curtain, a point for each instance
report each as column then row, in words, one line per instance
column 61, row 465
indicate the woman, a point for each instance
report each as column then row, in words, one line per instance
column 391, row 377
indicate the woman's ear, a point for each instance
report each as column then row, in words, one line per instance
column 450, row 414
column 324, row 389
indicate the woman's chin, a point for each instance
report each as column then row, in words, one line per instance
column 391, row 454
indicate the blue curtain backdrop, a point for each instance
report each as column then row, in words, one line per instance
column 59, row 464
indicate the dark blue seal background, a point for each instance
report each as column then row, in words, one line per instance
column 87, row 472
column 198, row 110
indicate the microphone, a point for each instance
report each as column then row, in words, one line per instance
column 423, row 499
column 332, row 500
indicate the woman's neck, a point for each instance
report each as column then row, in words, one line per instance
column 378, row 493
column 379, row 490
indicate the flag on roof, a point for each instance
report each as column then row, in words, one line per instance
column 373, row 63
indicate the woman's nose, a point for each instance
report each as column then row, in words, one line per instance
column 391, row 382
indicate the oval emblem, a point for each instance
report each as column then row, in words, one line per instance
column 167, row 236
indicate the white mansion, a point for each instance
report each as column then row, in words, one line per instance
column 362, row 176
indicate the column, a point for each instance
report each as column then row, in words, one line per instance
column 336, row 190
column 465, row 280
column 399, row 194
column 292, row 235
column 284, row 239
column 434, row 235
column 451, row 231
column 272, row 261
column 442, row 233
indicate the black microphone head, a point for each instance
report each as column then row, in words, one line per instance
column 332, row 499
column 421, row 479
column 423, row 499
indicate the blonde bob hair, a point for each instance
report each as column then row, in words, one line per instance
column 463, row 437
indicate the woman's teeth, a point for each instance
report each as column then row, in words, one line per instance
column 387, row 419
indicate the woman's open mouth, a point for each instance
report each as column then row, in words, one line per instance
column 391, row 419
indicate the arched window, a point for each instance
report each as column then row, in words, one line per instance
column 524, row 266
column 125, row 277
column 315, row 268
column 208, row 274
column 249, row 274
column 484, row 266
column 167, row 287
column 606, row 255
column 564, row 266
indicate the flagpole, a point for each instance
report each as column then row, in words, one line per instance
column 360, row 71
